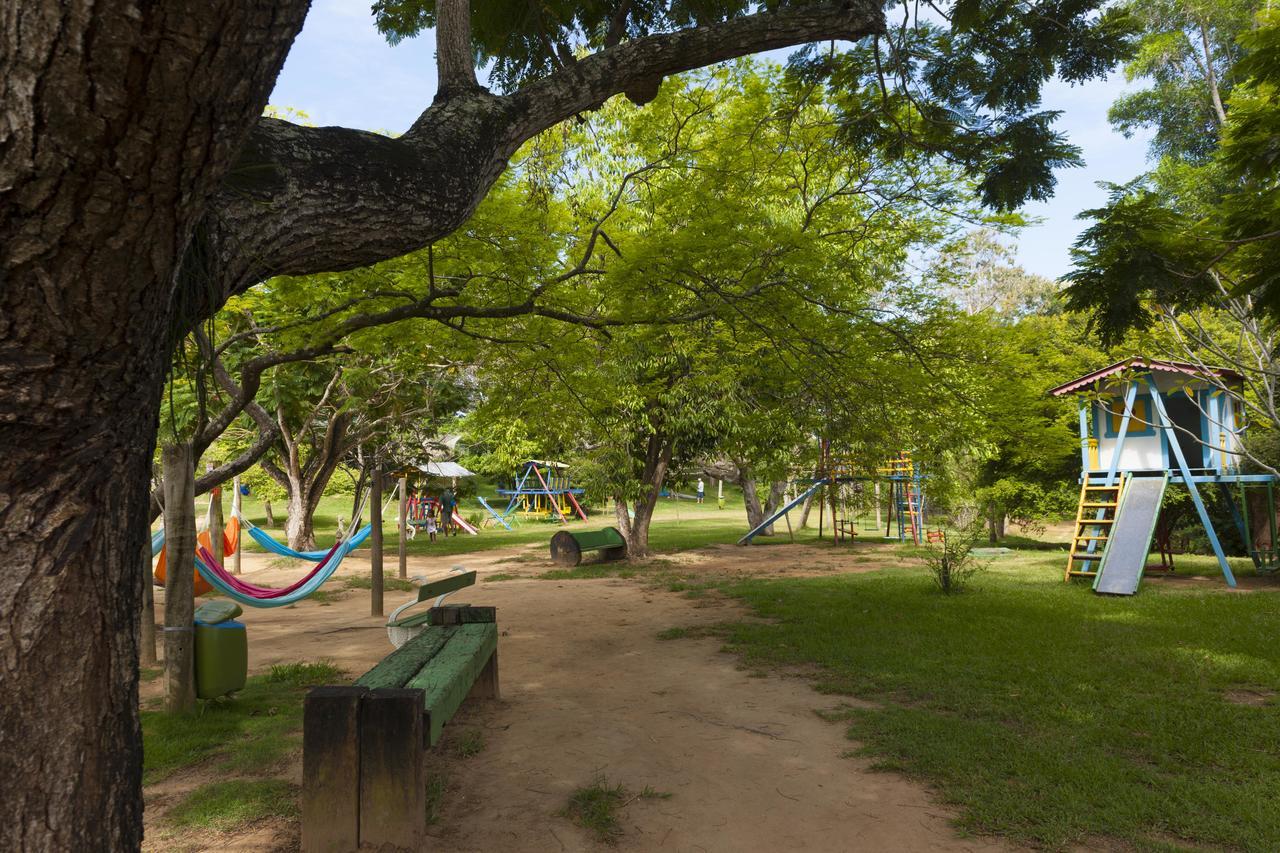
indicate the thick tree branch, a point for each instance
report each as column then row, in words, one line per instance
column 304, row 200
column 455, row 61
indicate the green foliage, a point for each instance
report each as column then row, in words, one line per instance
column 1186, row 51
column 951, row 561
column 727, row 203
column 1199, row 230
column 968, row 92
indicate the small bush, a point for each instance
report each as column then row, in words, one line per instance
column 304, row 674
column 951, row 561
column 595, row 808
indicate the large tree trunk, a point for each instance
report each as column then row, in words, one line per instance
column 805, row 507
column 658, row 450
column 300, row 525
column 179, row 579
column 119, row 122
column 305, row 477
column 757, row 511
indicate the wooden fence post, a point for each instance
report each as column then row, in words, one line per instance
column 236, row 506
column 375, row 543
column 404, row 527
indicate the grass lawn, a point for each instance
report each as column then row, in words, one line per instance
column 1047, row 713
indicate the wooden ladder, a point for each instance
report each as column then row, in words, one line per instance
column 913, row 512
column 1095, row 517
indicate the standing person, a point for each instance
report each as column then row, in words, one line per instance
column 448, row 503
column 702, row 490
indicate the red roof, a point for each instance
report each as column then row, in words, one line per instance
column 1184, row 367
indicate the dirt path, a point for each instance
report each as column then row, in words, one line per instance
column 590, row 691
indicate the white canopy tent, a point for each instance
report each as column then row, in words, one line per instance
column 444, row 469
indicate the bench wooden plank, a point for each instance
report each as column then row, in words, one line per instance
column 393, row 786
column 330, row 763
column 447, row 678
column 397, row 668
column 451, row 583
column 461, row 614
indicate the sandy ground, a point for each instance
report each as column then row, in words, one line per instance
column 589, row 691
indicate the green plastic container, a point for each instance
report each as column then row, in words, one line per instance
column 222, row 658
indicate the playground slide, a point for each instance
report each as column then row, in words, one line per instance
column 497, row 516
column 458, row 520
column 1125, row 556
column 746, row 540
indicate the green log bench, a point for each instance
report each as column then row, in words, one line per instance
column 567, row 548
column 364, row 747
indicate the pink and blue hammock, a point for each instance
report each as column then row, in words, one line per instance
column 252, row 595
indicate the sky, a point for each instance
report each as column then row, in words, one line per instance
column 341, row 71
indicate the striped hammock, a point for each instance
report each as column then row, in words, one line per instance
column 262, row 596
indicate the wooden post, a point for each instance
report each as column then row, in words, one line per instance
column 720, row 494
column 179, row 580
column 148, row 637
column 393, row 787
column 877, row 485
column 236, row 507
column 375, row 543
column 486, row 684
column 404, row 527
column 217, row 523
column 331, row 769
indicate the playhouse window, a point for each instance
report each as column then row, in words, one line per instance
column 1141, row 423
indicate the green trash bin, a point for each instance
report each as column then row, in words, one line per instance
column 222, row 658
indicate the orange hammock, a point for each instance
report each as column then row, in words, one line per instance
column 230, row 542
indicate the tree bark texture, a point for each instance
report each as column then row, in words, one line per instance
column 179, row 578
column 117, row 123
column 658, row 451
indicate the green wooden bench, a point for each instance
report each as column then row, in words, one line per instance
column 402, row 628
column 567, row 548
column 364, row 746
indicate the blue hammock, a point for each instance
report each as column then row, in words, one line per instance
column 292, row 598
column 157, row 542
column 264, row 539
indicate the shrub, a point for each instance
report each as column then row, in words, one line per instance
column 951, row 561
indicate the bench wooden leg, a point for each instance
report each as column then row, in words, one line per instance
column 486, row 684
column 331, row 769
column 393, row 793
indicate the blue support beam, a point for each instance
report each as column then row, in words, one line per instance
column 496, row 515
column 746, row 540
column 1176, row 448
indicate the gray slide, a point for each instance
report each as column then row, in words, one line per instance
column 1125, row 557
